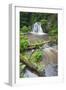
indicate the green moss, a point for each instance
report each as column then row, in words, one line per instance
column 37, row 55
column 40, row 67
column 22, row 70
column 33, row 60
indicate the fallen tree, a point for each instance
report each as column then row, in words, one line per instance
column 33, row 67
column 37, row 45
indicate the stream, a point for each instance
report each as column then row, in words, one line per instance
column 50, row 53
column 50, row 61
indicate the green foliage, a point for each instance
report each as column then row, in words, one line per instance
column 40, row 67
column 53, row 40
column 25, row 19
column 31, row 63
column 53, row 34
column 53, row 30
column 22, row 69
column 23, row 43
column 44, row 24
column 25, row 29
column 37, row 55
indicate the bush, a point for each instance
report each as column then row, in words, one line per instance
column 23, row 43
column 25, row 29
column 38, row 55
column 53, row 34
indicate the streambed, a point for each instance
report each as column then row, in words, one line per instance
column 49, row 60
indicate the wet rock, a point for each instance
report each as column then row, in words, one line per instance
column 45, row 46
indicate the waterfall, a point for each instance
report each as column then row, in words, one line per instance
column 37, row 29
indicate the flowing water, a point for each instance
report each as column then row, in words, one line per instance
column 50, row 62
column 37, row 33
column 28, row 74
column 37, row 29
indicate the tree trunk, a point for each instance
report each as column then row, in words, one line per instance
column 32, row 66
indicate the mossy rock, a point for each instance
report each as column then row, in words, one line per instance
column 34, row 61
column 22, row 69
column 37, row 56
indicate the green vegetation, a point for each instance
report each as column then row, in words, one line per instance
column 22, row 69
column 37, row 66
column 23, row 43
column 25, row 29
column 37, row 56
column 48, row 21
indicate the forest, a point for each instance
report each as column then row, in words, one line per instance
column 38, row 53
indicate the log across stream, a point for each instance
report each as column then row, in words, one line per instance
column 49, row 60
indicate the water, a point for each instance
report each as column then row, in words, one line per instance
column 28, row 73
column 37, row 29
column 50, row 62
column 51, row 70
column 50, row 55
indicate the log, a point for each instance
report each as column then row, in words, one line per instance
column 33, row 46
column 40, row 43
column 32, row 66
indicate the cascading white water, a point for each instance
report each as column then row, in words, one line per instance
column 37, row 29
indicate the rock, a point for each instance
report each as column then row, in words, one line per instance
column 55, row 47
column 32, row 50
column 45, row 46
